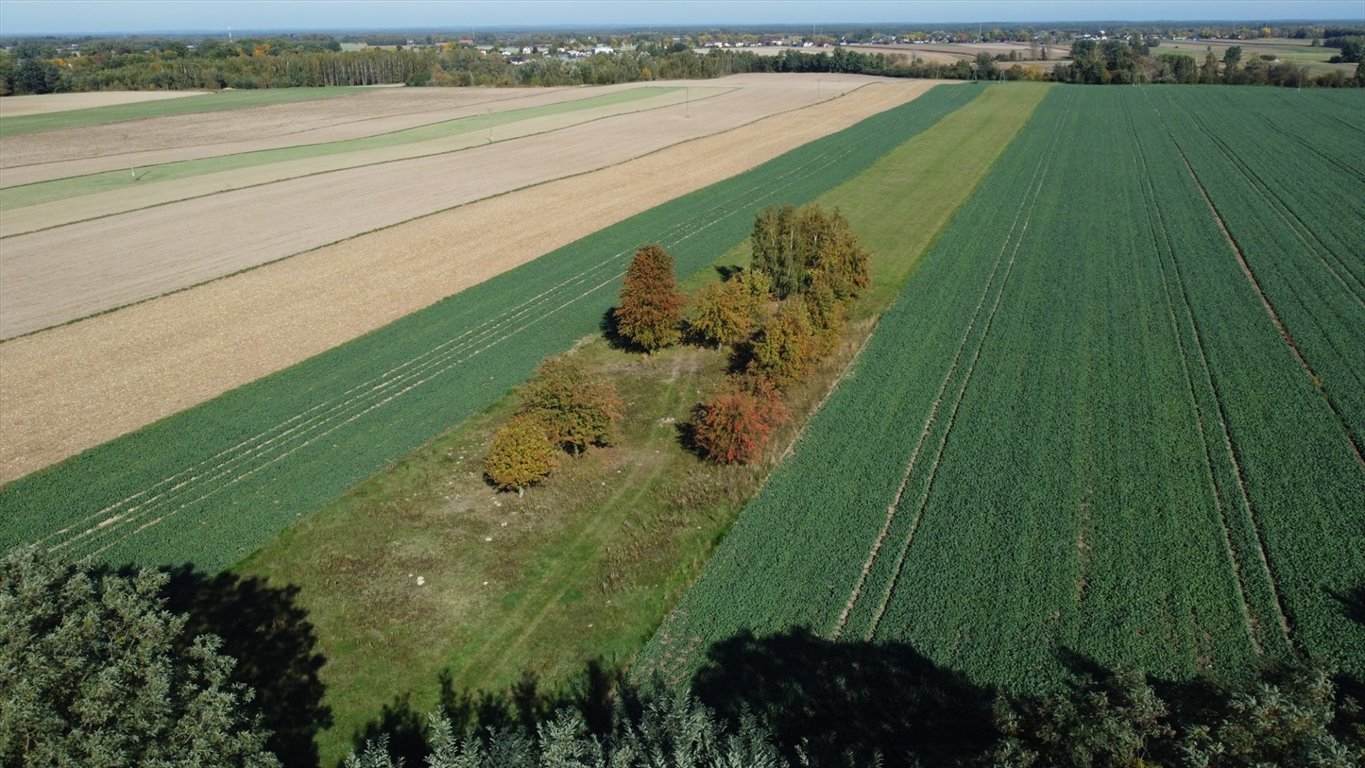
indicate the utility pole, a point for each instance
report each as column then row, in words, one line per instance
column 490, row 125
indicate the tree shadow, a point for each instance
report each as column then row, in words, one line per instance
column 727, row 271
column 1352, row 602
column 594, row 693
column 611, row 332
column 848, row 703
column 269, row 635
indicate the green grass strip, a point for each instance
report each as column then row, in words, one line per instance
column 213, row 102
column 211, row 484
column 75, row 186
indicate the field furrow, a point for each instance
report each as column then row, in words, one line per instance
column 1139, row 469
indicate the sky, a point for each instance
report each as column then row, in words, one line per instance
column 22, row 17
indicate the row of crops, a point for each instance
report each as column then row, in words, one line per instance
column 1080, row 429
column 209, row 485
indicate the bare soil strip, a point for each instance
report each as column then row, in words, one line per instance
column 65, row 273
column 16, row 106
column 73, row 387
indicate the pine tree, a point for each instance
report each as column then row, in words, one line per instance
column 651, row 310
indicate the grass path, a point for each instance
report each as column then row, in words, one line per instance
column 218, row 101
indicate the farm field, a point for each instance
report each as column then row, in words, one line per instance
column 70, row 388
column 362, row 113
column 20, row 106
column 947, row 54
column 67, row 272
column 210, row 484
column 46, row 119
column 43, row 205
column 584, row 566
column 1107, row 418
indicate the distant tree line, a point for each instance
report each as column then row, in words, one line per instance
column 1136, row 60
column 36, row 67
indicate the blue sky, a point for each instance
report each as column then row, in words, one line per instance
column 116, row 16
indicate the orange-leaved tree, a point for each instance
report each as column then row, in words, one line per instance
column 734, row 426
column 651, row 309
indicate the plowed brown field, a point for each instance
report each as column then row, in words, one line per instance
column 73, row 387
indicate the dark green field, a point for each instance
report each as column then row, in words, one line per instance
column 1117, row 413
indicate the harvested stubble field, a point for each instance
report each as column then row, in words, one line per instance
column 76, row 151
column 44, row 205
column 68, row 272
column 20, row 106
column 70, row 388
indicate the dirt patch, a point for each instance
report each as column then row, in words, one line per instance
column 73, row 387
column 17, row 106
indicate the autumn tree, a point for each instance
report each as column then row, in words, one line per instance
column 521, row 455
column 794, row 248
column 836, row 258
column 576, row 407
column 725, row 313
column 782, row 350
column 650, row 313
column 775, row 242
column 94, row 671
column 734, row 426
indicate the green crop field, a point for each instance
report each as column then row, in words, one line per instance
column 209, row 485
column 75, row 186
column 217, row 101
column 1116, row 413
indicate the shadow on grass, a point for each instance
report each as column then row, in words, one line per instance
column 263, row 627
column 521, row 708
column 838, row 703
